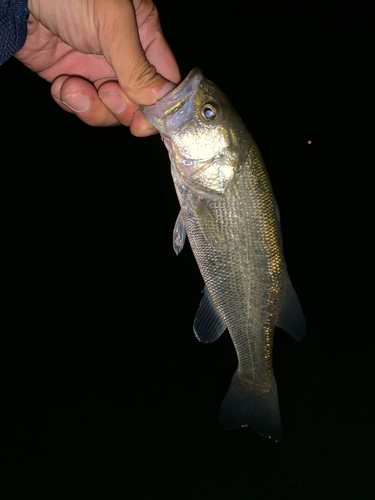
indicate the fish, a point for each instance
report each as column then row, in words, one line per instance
column 230, row 216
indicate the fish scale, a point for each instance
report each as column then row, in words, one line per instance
column 230, row 216
column 240, row 296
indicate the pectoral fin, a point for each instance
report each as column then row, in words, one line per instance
column 208, row 325
column 209, row 226
column 291, row 318
column 179, row 234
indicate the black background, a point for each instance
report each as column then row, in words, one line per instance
column 105, row 392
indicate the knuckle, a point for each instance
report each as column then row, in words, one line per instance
column 147, row 16
column 143, row 76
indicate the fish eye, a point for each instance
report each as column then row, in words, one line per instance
column 209, row 112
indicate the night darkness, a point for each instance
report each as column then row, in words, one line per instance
column 105, row 392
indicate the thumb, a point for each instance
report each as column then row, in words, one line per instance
column 129, row 29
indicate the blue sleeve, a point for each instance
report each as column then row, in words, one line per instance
column 13, row 27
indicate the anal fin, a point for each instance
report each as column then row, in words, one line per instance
column 208, row 325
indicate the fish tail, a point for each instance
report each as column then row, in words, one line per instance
column 251, row 404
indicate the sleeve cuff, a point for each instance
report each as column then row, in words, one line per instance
column 13, row 27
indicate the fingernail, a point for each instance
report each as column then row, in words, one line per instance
column 168, row 87
column 57, row 97
column 114, row 102
column 79, row 102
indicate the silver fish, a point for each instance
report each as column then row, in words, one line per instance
column 230, row 215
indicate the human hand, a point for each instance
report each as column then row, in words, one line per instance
column 104, row 57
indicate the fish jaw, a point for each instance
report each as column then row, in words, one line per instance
column 164, row 114
column 200, row 148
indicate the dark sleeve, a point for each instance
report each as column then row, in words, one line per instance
column 13, row 27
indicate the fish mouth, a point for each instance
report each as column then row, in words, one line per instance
column 172, row 102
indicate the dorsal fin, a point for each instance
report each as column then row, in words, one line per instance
column 291, row 318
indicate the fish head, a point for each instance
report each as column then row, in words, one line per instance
column 200, row 129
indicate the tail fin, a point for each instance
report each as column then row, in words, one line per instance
column 247, row 403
